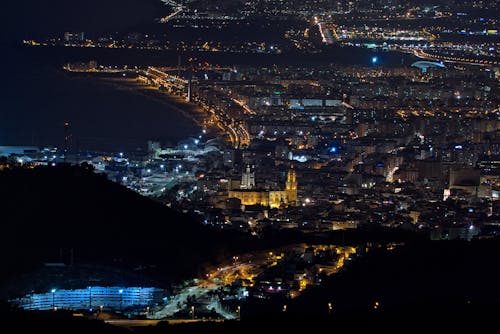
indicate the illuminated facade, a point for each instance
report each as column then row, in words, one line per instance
column 270, row 198
column 247, row 179
column 109, row 298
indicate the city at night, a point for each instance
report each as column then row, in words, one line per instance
column 245, row 166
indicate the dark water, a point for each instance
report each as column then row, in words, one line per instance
column 37, row 97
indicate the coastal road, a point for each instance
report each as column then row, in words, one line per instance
column 129, row 323
column 132, row 322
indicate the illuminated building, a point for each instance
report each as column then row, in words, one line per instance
column 425, row 65
column 247, row 179
column 114, row 298
column 72, row 37
column 270, row 198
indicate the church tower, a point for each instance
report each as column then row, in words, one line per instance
column 247, row 179
column 291, row 186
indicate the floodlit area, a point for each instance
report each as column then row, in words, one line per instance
column 284, row 272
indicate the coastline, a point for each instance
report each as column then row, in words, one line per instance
column 188, row 110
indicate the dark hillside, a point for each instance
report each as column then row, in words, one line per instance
column 46, row 210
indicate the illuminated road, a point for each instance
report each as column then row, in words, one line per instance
column 328, row 31
column 235, row 129
column 244, row 106
column 132, row 323
column 177, row 86
column 246, row 269
column 149, row 322
column 167, row 18
column 177, row 10
column 461, row 60
column 390, row 175
column 202, row 288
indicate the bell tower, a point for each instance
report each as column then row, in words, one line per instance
column 291, row 186
column 247, row 179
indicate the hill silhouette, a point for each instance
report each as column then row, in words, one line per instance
column 49, row 209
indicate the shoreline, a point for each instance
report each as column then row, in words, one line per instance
column 189, row 110
column 174, row 103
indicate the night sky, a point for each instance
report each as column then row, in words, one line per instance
column 34, row 19
column 38, row 97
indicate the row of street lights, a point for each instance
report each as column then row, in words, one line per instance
column 238, row 312
column 376, row 305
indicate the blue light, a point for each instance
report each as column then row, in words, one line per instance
column 333, row 149
column 374, row 60
column 113, row 298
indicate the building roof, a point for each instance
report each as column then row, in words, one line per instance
column 426, row 64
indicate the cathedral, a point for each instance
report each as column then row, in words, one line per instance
column 249, row 195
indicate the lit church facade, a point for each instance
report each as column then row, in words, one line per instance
column 270, row 198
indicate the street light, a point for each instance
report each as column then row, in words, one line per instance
column 238, row 310
column 330, row 308
column 90, row 298
column 121, row 298
column 192, row 311
column 53, row 299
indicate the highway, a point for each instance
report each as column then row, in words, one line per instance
column 235, row 129
column 461, row 60
column 178, row 8
column 328, row 32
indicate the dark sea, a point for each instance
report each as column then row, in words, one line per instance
column 37, row 97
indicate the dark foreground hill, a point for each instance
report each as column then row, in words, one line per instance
column 47, row 213
column 424, row 276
